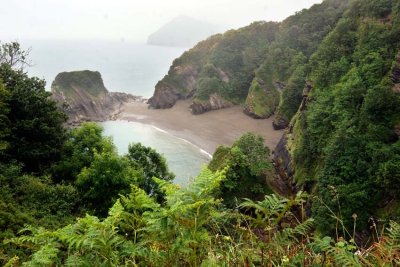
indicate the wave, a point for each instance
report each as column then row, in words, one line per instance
column 159, row 129
column 185, row 140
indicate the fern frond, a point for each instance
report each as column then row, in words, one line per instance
column 47, row 255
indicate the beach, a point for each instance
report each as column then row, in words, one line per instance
column 208, row 130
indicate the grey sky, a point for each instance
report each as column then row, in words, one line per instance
column 130, row 20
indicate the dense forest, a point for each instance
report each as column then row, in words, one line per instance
column 331, row 76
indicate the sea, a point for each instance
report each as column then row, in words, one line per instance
column 125, row 67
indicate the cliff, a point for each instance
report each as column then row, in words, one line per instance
column 83, row 96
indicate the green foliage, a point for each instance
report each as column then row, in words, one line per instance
column 193, row 229
column 292, row 95
column 261, row 101
column 67, row 82
column 101, row 183
column 151, row 164
column 35, row 133
column 247, row 165
column 79, row 149
column 345, row 147
column 26, row 199
column 343, row 143
column 389, row 176
column 4, row 122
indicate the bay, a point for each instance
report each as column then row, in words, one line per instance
column 184, row 159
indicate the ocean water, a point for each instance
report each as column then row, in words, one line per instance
column 184, row 159
column 125, row 67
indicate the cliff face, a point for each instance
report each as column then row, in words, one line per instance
column 83, row 96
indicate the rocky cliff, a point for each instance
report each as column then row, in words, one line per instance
column 83, row 96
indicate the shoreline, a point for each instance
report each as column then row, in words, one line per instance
column 184, row 140
column 206, row 131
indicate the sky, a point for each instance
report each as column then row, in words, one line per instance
column 131, row 20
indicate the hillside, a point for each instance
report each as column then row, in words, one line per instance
column 343, row 144
column 83, row 96
column 182, row 31
column 250, row 66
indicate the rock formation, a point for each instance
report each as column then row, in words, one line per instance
column 213, row 103
column 83, row 96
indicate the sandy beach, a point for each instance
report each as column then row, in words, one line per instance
column 208, row 130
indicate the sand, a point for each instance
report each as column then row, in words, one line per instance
column 208, row 130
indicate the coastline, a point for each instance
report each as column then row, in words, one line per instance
column 184, row 140
column 206, row 131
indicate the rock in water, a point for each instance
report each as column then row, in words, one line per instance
column 83, row 96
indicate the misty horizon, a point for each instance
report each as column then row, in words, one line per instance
column 130, row 21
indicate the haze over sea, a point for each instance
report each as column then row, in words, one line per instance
column 125, row 67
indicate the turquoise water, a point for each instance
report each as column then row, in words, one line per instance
column 184, row 159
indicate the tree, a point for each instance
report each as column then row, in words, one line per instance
column 247, row 163
column 100, row 184
column 4, row 122
column 79, row 149
column 36, row 132
column 12, row 55
column 151, row 164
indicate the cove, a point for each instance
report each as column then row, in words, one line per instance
column 184, row 159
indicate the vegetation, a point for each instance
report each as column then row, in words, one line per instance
column 345, row 141
column 246, row 165
column 67, row 82
column 67, row 198
column 12, row 55
column 33, row 133
column 193, row 229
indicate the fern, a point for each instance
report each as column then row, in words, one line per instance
column 47, row 255
column 387, row 251
column 13, row 262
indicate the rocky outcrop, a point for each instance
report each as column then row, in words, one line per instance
column 166, row 94
column 262, row 100
column 280, row 123
column 282, row 157
column 213, row 103
column 283, row 166
column 83, row 97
